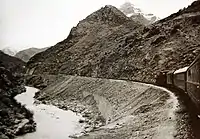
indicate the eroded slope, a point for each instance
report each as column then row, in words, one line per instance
column 118, row 109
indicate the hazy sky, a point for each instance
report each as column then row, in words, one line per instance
column 42, row 23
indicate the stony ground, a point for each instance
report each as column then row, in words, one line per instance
column 120, row 109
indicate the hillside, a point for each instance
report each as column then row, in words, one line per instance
column 14, row 118
column 108, row 45
column 87, row 44
column 12, row 63
column 26, row 54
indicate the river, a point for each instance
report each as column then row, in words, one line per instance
column 52, row 122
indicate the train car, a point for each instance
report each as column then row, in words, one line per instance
column 170, row 75
column 193, row 81
column 161, row 79
column 180, row 78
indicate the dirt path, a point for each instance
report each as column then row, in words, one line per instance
column 120, row 109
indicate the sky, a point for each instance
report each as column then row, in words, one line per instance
column 43, row 23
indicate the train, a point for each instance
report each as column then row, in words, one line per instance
column 186, row 79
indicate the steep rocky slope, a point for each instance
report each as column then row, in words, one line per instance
column 14, row 118
column 136, row 14
column 12, row 63
column 87, row 45
column 25, row 55
column 108, row 45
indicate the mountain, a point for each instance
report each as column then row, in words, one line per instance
column 137, row 15
column 25, row 55
column 107, row 44
column 87, row 45
column 9, row 51
column 12, row 64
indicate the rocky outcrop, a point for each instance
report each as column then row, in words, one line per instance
column 25, row 55
column 108, row 44
column 12, row 63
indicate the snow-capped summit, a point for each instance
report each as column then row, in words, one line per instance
column 9, row 51
column 137, row 14
column 129, row 9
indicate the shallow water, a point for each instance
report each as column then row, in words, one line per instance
column 52, row 122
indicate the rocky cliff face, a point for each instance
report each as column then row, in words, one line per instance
column 108, row 45
column 137, row 15
column 14, row 118
column 25, row 55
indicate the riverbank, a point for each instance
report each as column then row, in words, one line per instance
column 52, row 122
column 15, row 119
column 118, row 109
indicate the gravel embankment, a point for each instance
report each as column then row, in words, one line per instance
column 120, row 109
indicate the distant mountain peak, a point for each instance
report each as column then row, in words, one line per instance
column 26, row 54
column 107, row 13
column 11, row 63
column 9, row 51
column 135, row 13
column 129, row 9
